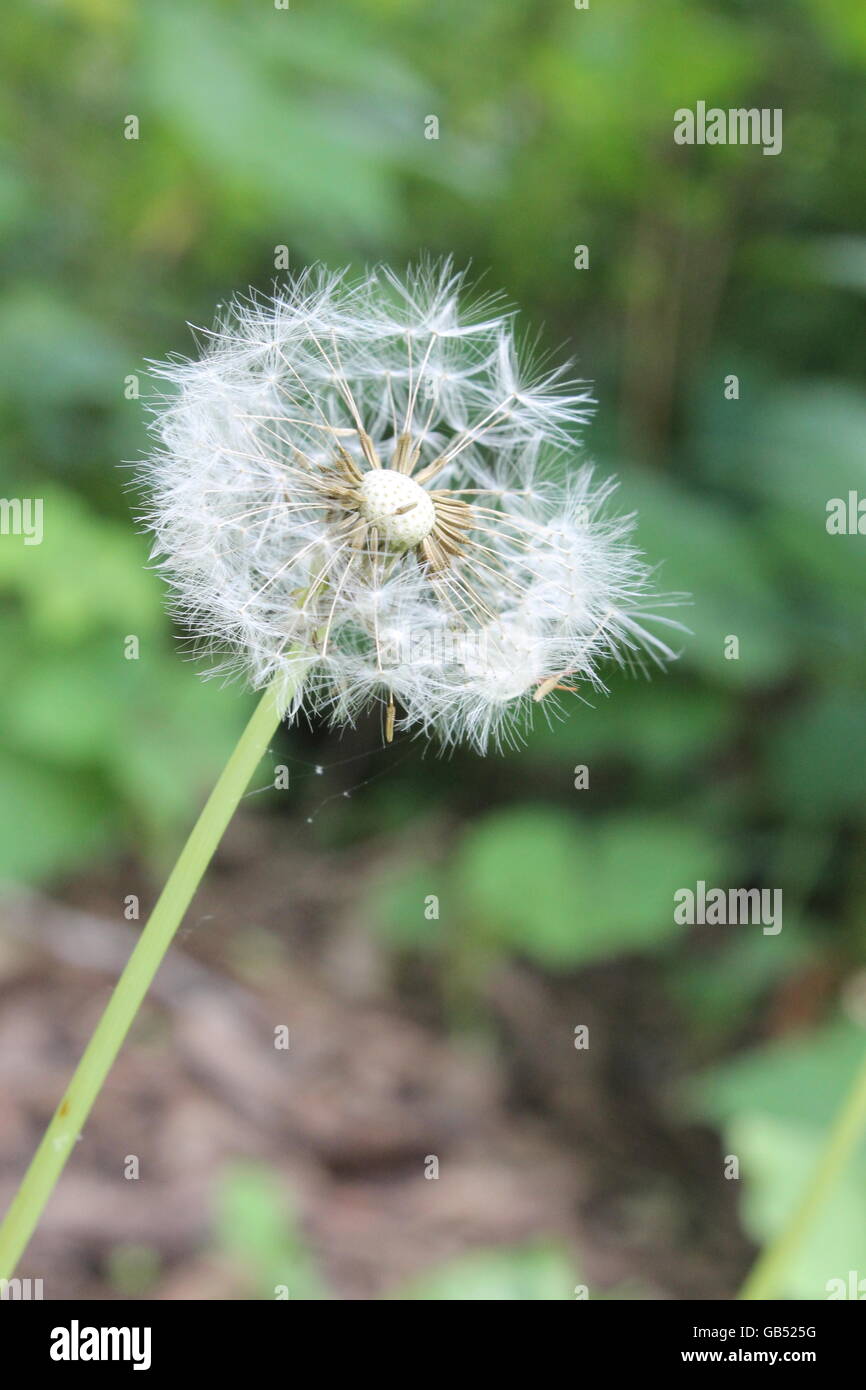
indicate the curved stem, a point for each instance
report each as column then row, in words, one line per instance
column 840, row 1145
column 99, row 1056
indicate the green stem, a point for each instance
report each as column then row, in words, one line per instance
column 99, row 1056
column 840, row 1145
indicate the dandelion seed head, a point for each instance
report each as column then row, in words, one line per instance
column 360, row 481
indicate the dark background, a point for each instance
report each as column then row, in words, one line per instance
column 713, row 1050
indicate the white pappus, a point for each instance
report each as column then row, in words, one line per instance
column 362, row 482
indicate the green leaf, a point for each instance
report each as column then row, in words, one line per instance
column 802, row 1080
column 775, row 1105
column 529, row 879
column 776, row 1158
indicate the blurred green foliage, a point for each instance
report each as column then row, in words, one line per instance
column 527, row 879
column 255, row 1230
column 304, row 128
column 775, row 1106
column 93, row 740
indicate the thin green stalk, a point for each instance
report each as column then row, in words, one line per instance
column 841, row 1143
column 99, row 1056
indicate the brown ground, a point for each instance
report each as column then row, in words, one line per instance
column 533, row 1141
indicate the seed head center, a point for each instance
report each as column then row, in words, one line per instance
column 399, row 508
